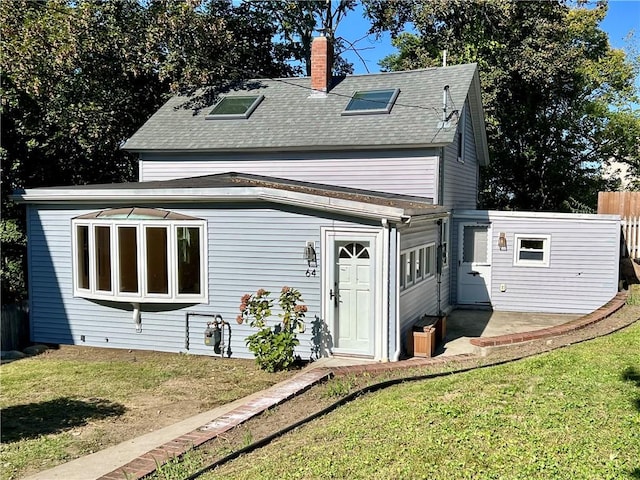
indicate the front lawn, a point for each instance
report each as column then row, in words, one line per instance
column 70, row 402
column 570, row 414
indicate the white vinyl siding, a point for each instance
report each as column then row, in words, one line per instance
column 422, row 298
column 402, row 172
column 247, row 248
column 581, row 275
column 460, row 189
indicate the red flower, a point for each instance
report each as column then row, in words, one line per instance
column 261, row 292
column 245, row 298
column 300, row 308
column 239, row 319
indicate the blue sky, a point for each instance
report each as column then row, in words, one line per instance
column 623, row 17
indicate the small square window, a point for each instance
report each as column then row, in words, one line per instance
column 371, row 102
column 235, row 107
column 532, row 250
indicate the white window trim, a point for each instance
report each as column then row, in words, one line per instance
column 444, row 240
column 546, row 250
column 141, row 296
column 462, row 127
column 424, row 276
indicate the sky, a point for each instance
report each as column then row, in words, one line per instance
column 622, row 17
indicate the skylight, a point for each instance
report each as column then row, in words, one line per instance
column 233, row 107
column 371, row 101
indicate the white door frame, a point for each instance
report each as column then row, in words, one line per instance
column 488, row 265
column 331, row 235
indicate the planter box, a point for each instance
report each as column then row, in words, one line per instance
column 422, row 344
column 425, row 336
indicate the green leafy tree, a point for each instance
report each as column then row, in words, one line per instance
column 80, row 77
column 299, row 22
column 559, row 101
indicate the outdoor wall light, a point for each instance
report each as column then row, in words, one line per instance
column 502, row 241
column 310, row 255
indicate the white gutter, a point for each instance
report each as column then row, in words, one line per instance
column 495, row 214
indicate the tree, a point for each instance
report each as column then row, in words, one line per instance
column 80, row 77
column 298, row 23
column 558, row 99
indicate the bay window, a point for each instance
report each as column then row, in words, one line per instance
column 140, row 255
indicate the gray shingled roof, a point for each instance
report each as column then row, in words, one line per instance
column 290, row 118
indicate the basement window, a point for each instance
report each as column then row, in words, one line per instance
column 366, row 102
column 235, row 107
column 532, row 250
column 140, row 255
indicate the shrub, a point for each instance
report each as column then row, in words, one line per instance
column 273, row 346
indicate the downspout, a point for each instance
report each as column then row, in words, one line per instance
column 386, row 254
column 439, row 268
column 136, row 317
column 396, row 354
column 440, row 199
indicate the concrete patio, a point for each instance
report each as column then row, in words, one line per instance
column 463, row 325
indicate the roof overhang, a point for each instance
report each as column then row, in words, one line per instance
column 294, row 148
column 158, row 196
column 477, row 120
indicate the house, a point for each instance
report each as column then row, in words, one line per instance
column 358, row 191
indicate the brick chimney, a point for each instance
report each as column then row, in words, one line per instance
column 321, row 63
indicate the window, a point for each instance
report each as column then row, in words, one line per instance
column 140, row 255
column 444, row 241
column 371, row 101
column 417, row 265
column 532, row 250
column 233, row 107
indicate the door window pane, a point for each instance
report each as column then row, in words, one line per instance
column 188, row 260
column 475, row 244
column 103, row 258
column 128, row 261
column 157, row 276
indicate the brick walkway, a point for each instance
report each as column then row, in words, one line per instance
column 147, row 463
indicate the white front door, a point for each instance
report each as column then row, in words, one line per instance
column 353, row 297
column 350, row 292
column 474, row 264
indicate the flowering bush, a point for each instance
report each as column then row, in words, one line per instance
column 273, row 346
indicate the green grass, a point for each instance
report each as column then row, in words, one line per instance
column 56, row 407
column 634, row 295
column 570, row 414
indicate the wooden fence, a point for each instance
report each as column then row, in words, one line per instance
column 15, row 326
column 625, row 204
column 631, row 235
